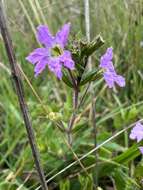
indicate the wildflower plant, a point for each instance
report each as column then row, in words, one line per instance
column 92, row 149
column 70, row 65
column 69, row 61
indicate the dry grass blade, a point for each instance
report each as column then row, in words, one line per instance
column 31, row 3
column 28, row 17
column 39, row 10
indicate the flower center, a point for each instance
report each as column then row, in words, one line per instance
column 56, row 51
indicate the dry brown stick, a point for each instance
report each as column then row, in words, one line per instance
column 19, row 90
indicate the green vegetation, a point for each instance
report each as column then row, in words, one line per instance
column 120, row 164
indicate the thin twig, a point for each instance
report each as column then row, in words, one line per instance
column 19, row 90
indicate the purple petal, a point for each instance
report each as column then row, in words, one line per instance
column 106, row 59
column 67, row 60
column 107, row 65
column 62, row 35
column 40, row 66
column 120, row 80
column 109, row 53
column 139, row 137
column 44, row 36
column 108, row 77
column 132, row 136
column 37, row 55
column 141, row 149
column 137, row 132
column 55, row 66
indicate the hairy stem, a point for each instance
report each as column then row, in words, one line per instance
column 19, row 90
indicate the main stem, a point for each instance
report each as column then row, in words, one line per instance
column 19, row 90
column 73, row 116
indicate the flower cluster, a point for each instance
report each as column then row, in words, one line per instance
column 53, row 53
column 137, row 133
column 110, row 75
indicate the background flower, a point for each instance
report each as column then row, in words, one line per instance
column 137, row 132
column 110, row 75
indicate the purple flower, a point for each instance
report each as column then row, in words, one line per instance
column 137, row 132
column 110, row 75
column 53, row 53
column 141, row 149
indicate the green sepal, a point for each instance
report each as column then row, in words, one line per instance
column 66, row 79
column 80, row 68
column 91, row 76
column 88, row 48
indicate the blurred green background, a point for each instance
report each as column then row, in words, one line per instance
column 120, row 165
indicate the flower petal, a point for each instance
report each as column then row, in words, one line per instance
column 108, row 65
column 40, row 66
column 141, row 149
column 120, row 80
column 37, row 55
column 106, row 59
column 132, row 136
column 44, row 36
column 62, row 35
column 55, row 67
column 139, row 137
column 137, row 132
column 109, row 53
column 67, row 60
column 108, row 77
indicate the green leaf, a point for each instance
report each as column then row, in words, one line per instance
column 132, row 113
column 65, row 184
column 128, row 155
column 122, row 159
column 138, row 173
column 86, row 182
column 122, row 181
